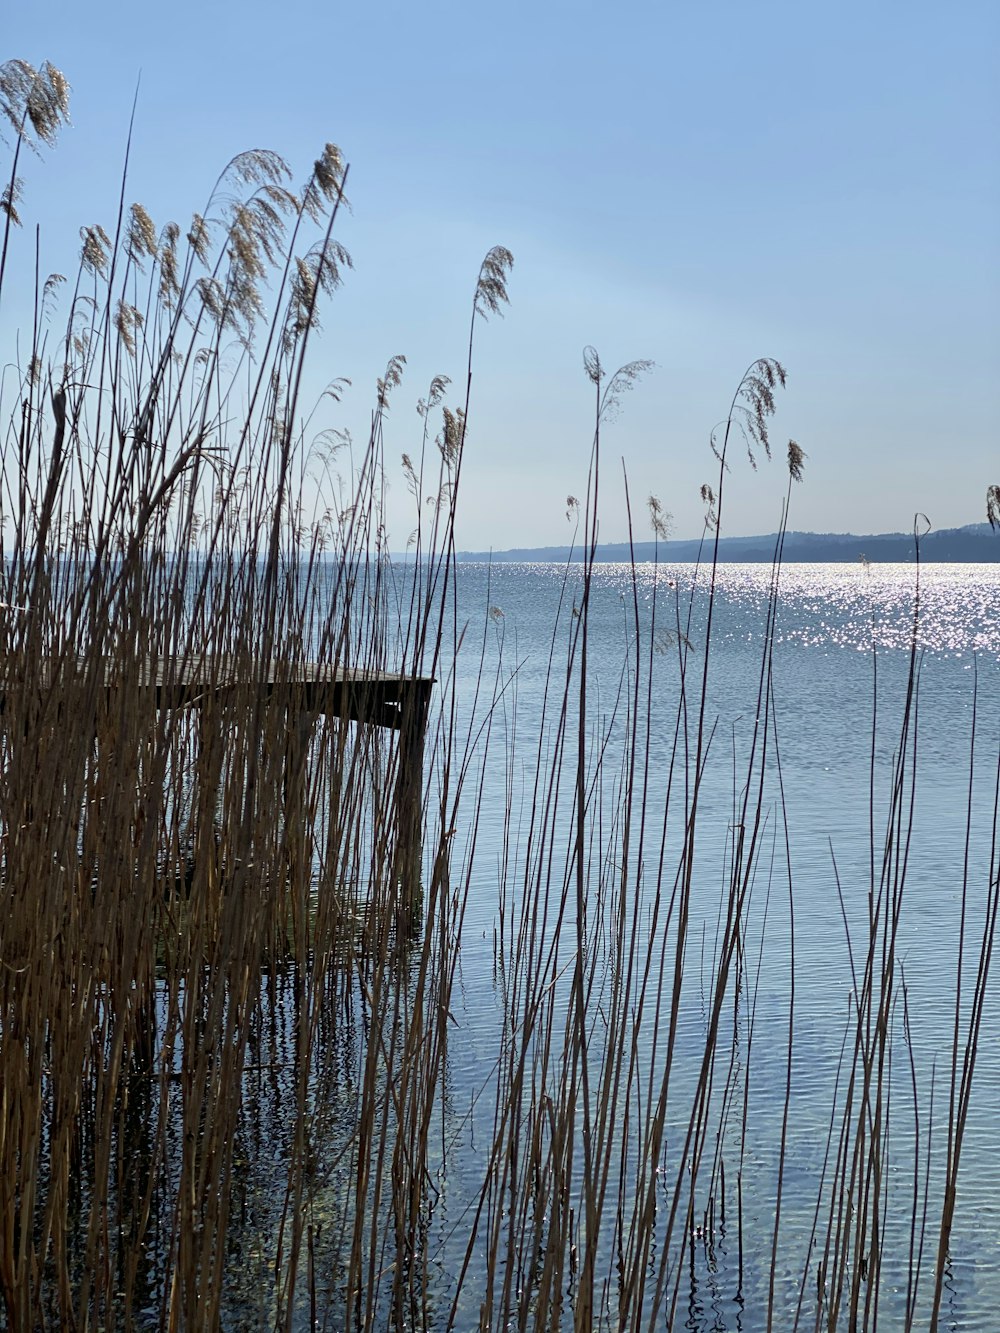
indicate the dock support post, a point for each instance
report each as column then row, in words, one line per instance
column 297, row 829
column 209, row 765
column 413, row 708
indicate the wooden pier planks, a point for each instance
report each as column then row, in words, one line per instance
column 304, row 690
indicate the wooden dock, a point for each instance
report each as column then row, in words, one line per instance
column 303, row 690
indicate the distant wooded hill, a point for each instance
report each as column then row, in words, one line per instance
column 976, row 543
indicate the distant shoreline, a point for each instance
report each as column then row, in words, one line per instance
column 976, row 543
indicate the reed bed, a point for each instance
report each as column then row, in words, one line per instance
column 224, row 1039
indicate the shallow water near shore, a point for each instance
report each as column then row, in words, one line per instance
column 841, row 660
column 842, row 652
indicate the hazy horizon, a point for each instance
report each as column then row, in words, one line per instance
column 641, row 539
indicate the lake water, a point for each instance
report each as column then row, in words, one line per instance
column 853, row 779
column 841, row 662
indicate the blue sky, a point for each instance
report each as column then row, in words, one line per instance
column 695, row 184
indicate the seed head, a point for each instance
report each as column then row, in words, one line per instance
column 491, row 287
column 392, row 378
column 450, row 443
column 796, row 457
column 96, row 248
column 8, row 200
column 34, row 102
column 659, row 518
column 140, row 238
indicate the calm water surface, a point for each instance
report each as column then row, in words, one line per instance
column 841, row 660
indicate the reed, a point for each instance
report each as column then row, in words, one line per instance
column 226, row 1077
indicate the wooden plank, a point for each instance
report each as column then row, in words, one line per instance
column 386, row 699
column 357, row 694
